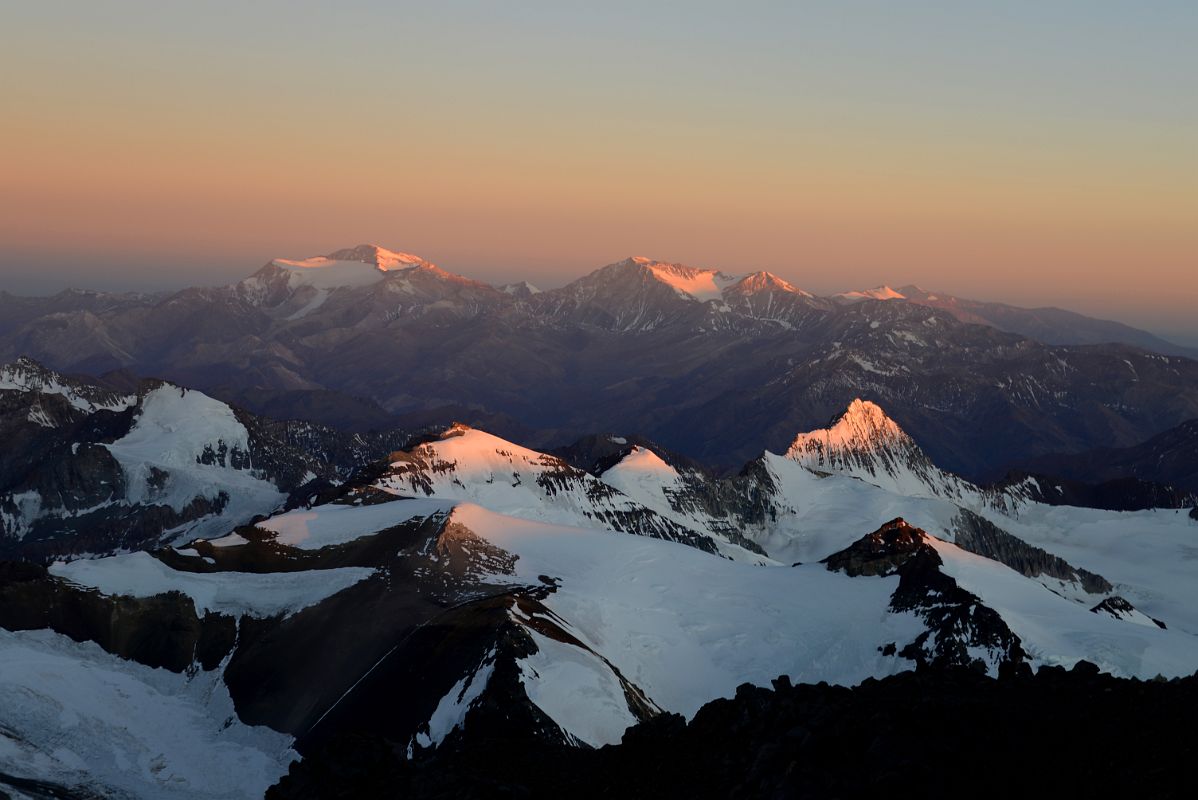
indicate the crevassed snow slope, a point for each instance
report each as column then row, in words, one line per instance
column 1055, row 630
column 174, row 429
column 1151, row 556
column 821, row 514
column 236, row 593
column 120, row 729
column 688, row 627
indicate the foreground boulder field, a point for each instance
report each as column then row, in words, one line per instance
column 411, row 609
column 930, row 732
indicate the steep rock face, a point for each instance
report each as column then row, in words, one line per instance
column 631, row 296
column 431, row 640
column 160, row 631
column 978, row 535
column 962, row 630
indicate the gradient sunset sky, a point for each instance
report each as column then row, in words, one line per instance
column 1033, row 152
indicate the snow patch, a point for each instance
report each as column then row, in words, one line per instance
column 577, row 690
column 699, row 284
column 235, row 593
column 322, row 526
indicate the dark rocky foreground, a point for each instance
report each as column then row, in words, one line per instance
column 932, row 733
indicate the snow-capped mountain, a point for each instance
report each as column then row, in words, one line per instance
column 224, row 592
column 877, row 293
column 93, row 470
column 465, row 464
column 442, row 621
column 865, row 443
column 376, row 281
column 466, row 587
column 522, row 289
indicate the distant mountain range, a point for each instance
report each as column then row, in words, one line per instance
column 1048, row 325
column 713, row 366
column 1168, row 458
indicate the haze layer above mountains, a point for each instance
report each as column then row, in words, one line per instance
column 714, row 366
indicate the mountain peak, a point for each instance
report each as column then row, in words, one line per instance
column 876, row 293
column 865, row 443
column 386, row 260
column 689, row 282
column 763, row 281
column 27, row 375
column 455, row 429
column 521, row 289
column 862, row 427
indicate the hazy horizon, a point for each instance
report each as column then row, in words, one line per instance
column 46, row 281
column 1031, row 154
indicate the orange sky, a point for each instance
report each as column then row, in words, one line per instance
column 1019, row 154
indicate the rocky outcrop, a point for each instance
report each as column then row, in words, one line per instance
column 961, row 630
column 881, row 552
column 978, row 535
column 1120, row 608
column 823, row 741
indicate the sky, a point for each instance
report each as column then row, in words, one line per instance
column 1041, row 153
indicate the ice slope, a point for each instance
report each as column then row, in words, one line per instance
column 819, row 514
column 1055, row 630
column 577, row 690
column 235, row 593
column 72, row 714
column 332, row 524
column 688, row 627
column 176, row 432
column 644, row 476
column 1150, row 556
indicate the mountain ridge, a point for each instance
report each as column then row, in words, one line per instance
column 621, row 349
